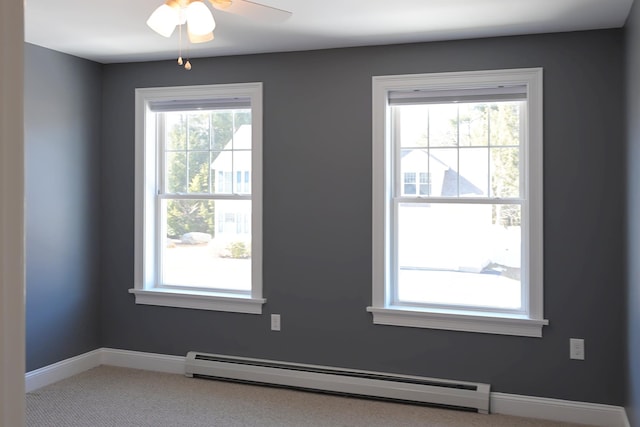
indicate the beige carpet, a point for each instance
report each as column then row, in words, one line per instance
column 114, row 397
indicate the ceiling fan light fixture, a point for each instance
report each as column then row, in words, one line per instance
column 196, row 38
column 199, row 18
column 163, row 20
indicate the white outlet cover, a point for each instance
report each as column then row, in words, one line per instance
column 576, row 348
column 275, row 322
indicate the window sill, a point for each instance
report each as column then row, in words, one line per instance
column 488, row 323
column 199, row 300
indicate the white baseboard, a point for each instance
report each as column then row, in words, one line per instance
column 103, row 356
column 501, row 403
column 145, row 361
column 61, row 370
column 592, row 414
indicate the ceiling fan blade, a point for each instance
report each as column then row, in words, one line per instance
column 220, row 4
column 251, row 9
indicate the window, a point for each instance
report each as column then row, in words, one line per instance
column 198, row 197
column 457, row 203
column 409, row 183
column 425, row 183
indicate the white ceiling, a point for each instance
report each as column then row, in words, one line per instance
column 115, row 31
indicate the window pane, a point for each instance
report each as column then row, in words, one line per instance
column 505, row 123
column 241, row 139
column 411, row 163
column 208, row 244
column 175, row 128
column 221, row 170
column 443, row 128
column 505, row 172
column 474, row 124
column 474, row 172
column 176, row 172
column 412, row 124
column 241, row 167
column 225, row 123
column 443, row 166
column 458, row 254
column 199, row 172
column 198, row 131
column 222, row 129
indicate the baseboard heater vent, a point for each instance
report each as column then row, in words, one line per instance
column 404, row 388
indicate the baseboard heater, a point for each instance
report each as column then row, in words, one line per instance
column 403, row 388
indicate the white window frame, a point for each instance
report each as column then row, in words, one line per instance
column 530, row 322
column 147, row 184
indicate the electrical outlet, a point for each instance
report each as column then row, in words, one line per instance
column 275, row 322
column 576, row 348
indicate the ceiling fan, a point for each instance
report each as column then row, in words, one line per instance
column 252, row 9
column 199, row 20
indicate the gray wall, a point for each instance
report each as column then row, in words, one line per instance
column 317, row 217
column 632, row 35
column 62, row 131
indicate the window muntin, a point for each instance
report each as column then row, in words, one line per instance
column 198, row 195
column 467, row 243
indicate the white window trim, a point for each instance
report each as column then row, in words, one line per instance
column 530, row 324
column 144, row 289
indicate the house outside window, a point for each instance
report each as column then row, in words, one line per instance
column 198, row 215
column 461, row 248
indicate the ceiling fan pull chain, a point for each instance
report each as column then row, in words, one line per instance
column 187, row 65
column 180, row 45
